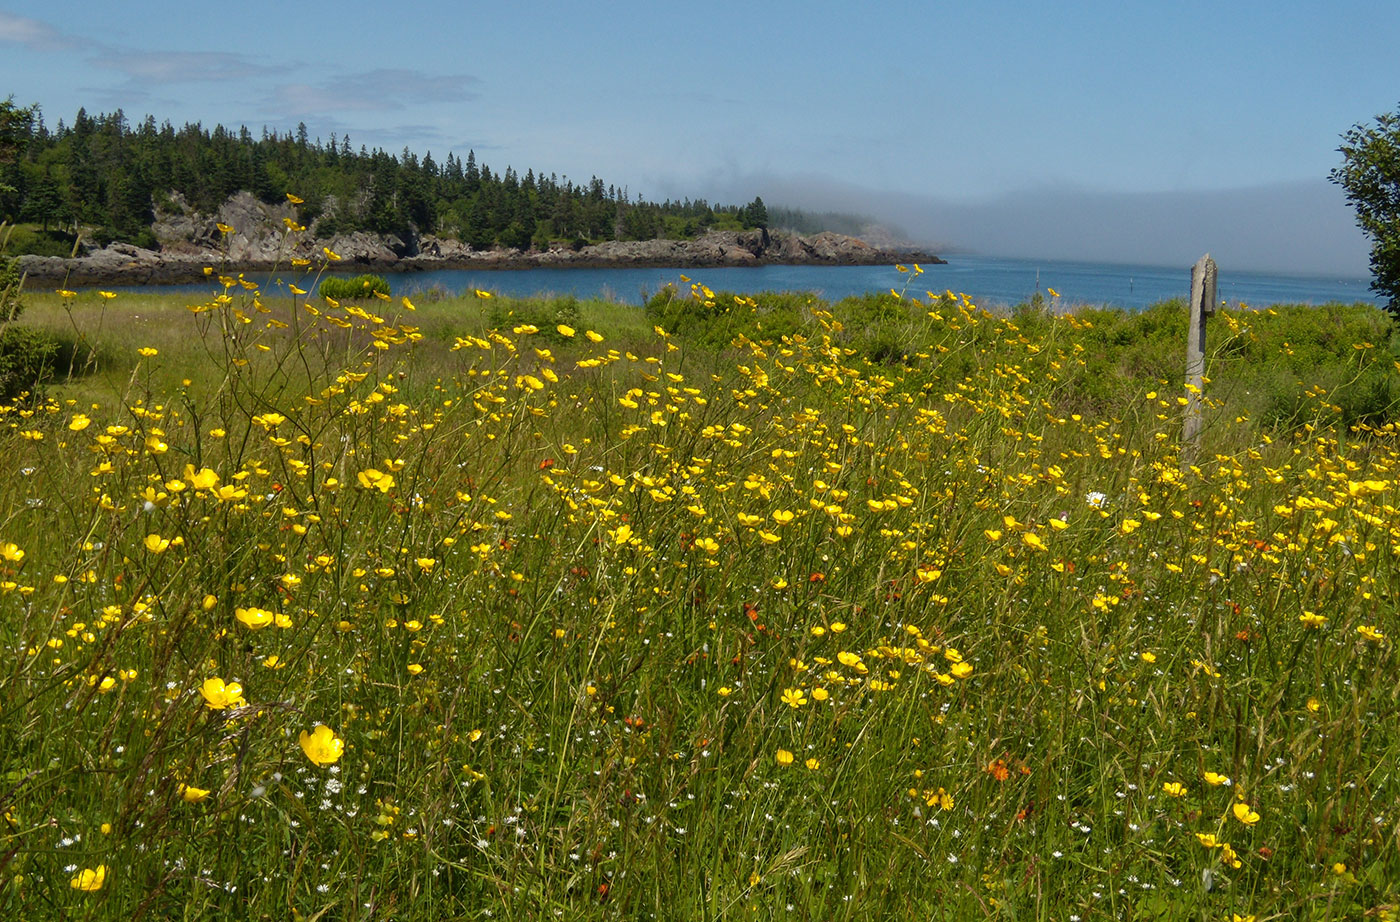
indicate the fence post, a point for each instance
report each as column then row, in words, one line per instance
column 1202, row 306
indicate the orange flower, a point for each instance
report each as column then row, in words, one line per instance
column 998, row 770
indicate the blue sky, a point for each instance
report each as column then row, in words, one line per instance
column 942, row 116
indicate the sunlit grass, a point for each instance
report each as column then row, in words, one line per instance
column 390, row 610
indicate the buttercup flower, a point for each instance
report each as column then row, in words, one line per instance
column 90, row 879
column 219, row 696
column 321, row 745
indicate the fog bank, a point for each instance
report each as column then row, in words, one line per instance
column 1301, row 227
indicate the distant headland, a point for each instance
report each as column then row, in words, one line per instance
column 248, row 235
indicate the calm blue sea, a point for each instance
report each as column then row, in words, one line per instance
column 988, row 280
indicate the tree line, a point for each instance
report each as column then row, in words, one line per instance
column 105, row 177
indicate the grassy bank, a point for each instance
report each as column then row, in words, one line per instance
column 751, row 607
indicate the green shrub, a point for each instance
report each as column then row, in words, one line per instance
column 361, row 286
column 546, row 314
column 719, row 320
column 26, row 239
column 26, row 361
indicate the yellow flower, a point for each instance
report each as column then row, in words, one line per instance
column 1312, row 619
column 794, row 698
column 1149, row 657
column 1032, row 540
column 156, row 544
column 90, row 879
column 293, row 199
column 813, row 764
column 961, row 670
column 1245, row 815
column 65, row 293
column 79, row 422
column 374, row 479
column 224, row 228
column 483, row 295
column 1370, row 633
column 254, row 618
column 783, row 757
column 622, row 534
column 820, row 694
column 330, row 254
column 565, row 330
column 1174, row 789
column 593, row 337
column 190, row 794
column 218, row 696
column 11, row 552
column 1214, row 778
column 321, row 745
column 415, row 668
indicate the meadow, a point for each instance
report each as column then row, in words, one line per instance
column 739, row 606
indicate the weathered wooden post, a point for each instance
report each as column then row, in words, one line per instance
column 1202, row 306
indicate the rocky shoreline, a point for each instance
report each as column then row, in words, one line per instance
column 190, row 243
column 124, row 264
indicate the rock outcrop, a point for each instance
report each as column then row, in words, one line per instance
column 260, row 240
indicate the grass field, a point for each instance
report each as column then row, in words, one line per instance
column 738, row 607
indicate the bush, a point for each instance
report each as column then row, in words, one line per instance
column 25, row 239
column 361, row 286
column 26, row 361
column 545, row 314
column 717, row 321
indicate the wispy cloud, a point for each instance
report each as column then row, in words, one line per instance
column 33, row 34
column 373, row 90
column 179, row 66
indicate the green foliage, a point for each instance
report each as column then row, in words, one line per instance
column 103, row 173
column 30, row 239
column 716, row 319
column 1370, row 174
column 361, row 286
column 10, row 304
column 755, row 214
column 26, row 360
column 546, row 314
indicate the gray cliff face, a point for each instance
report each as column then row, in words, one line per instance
column 260, row 240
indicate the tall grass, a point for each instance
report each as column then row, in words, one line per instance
column 892, row 608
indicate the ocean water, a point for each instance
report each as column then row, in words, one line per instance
column 988, row 280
